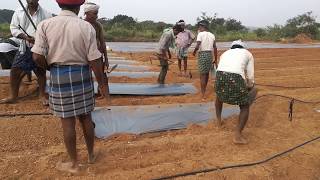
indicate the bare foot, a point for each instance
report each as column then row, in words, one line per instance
column 93, row 158
column 67, row 167
column 240, row 140
column 45, row 101
column 8, row 101
column 219, row 123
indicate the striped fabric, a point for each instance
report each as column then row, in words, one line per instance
column 71, row 90
column 204, row 61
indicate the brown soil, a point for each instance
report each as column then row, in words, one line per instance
column 31, row 146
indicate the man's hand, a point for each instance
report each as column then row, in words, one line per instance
column 101, row 77
column 30, row 39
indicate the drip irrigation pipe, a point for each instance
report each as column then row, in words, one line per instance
column 24, row 114
column 288, row 87
column 290, row 116
column 239, row 165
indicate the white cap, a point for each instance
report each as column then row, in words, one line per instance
column 88, row 6
column 240, row 43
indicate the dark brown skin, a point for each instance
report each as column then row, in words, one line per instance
column 68, row 124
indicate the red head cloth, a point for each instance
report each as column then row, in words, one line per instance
column 70, row 2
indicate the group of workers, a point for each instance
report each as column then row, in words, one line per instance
column 71, row 48
column 234, row 73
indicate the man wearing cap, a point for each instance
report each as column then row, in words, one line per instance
column 91, row 11
column 163, row 51
column 184, row 40
column 206, row 44
column 235, row 84
column 22, row 28
column 67, row 46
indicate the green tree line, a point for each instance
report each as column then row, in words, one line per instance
column 126, row 28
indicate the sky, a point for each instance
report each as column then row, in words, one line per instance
column 255, row 13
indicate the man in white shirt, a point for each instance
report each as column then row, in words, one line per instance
column 23, row 29
column 206, row 44
column 235, row 84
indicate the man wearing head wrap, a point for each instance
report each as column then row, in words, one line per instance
column 91, row 11
column 206, row 44
column 163, row 51
column 22, row 28
column 67, row 46
column 184, row 40
column 235, row 84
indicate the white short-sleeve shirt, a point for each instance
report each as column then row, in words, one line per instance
column 207, row 39
column 238, row 61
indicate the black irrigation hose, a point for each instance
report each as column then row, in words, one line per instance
column 25, row 114
column 288, row 87
column 258, row 162
column 238, row 165
column 288, row 97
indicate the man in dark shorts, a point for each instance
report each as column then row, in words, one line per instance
column 235, row 84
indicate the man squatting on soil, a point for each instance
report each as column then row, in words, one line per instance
column 235, row 84
column 67, row 46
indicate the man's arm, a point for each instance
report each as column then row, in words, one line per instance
column 95, row 66
column 40, row 60
column 16, row 31
column 250, row 71
column 215, row 54
column 192, row 38
column 100, row 77
column 103, row 46
column 95, row 61
column 196, row 48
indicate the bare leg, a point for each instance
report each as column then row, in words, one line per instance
column 204, row 81
column 41, row 75
column 164, row 69
column 185, row 66
column 29, row 78
column 219, row 106
column 179, row 66
column 69, row 135
column 88, row 131
column 16, row 76
column 243, row 118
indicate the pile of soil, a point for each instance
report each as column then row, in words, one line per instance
column 301, row 39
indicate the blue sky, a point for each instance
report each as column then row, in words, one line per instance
column 257, row 13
